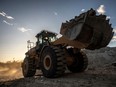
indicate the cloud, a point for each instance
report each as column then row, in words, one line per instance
column 101, row 9
column 2, row 13
column 5, row 15
column 114, row 30
column 9, row 17
column 22, row 29
column 4, row 21
column 108, row 17
column 82, row 10
column 113, row 40
column 55, row 13
column 114, row 37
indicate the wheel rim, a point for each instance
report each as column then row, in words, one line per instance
column 47, row 62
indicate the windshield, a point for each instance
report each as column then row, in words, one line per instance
column 45, row 39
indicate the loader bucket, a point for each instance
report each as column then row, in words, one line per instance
column 88, row 28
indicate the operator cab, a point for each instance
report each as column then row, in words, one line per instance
column 44, row 38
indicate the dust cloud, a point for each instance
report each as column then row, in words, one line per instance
column 10, row 70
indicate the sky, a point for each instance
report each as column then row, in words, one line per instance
column 21, row 20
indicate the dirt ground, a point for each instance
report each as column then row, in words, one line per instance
column 101, row 72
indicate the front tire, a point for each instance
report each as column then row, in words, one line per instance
column 28, row 67
column 52, row 62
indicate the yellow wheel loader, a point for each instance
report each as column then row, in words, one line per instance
column 53, row 55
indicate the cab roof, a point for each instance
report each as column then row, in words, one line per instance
column 45, row 33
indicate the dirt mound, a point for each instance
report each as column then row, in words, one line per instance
column 101, row 57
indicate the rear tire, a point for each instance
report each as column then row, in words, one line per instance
column 80, row 63
column 28, row 67
column 52, row 62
